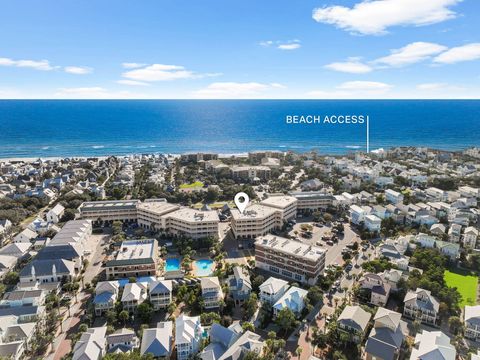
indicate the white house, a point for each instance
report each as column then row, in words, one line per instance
column 106, row 293
column 433, row 345
column 357, row 214
column 158, row 341
column 354, row 321
column 26, row 236
column 188, row 336
column 272, row 289
column 54, row 215
column 160, row 293
column 91, row 344
column 133, row 295
column 293, row 299
column 472, row 322
column 373, row 223
column 421, row 305
column 380, row 291
column 393, row 197
column 122, row 340
column 470, row 237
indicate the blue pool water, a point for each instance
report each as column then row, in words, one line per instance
column 141, row 279
column 172, row 264
column 203, row 267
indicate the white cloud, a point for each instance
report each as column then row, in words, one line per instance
column 132, row 65
column 235, row 90
column 282, row 45
column 292, row 46
column 132, row 83
column 78, row 70
column 94, row 92
column 431, row 86
column 43, row 65
column 351, row 67
column 374, row 17
column 354, row 90
column 162, row 72
column 411, row 53
column 266, row 43
column 458, row 54
column 364, row 86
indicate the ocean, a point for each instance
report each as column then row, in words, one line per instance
column 62, row 128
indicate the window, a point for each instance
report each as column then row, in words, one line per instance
column 274, row 269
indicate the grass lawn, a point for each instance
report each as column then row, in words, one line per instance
column 465, row 284
column 192, row 185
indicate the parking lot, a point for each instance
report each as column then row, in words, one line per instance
column 334, row 251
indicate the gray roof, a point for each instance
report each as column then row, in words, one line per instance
column 44, row 267
column 472, row 314
column 160, row 286
column 64, row 251
column 158, row 341
column 21, row 310
column 355, row 317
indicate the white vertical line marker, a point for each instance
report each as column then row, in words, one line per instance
column 368, row 134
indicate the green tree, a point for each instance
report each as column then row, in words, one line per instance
column 250, row 306
column 124, row 316
column 286, row 319
column 145, row 312
column 11, row 278
column 248, row 326
column 455, row 324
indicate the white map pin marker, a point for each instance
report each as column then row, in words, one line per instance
column 241, row 200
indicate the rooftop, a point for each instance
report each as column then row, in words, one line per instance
column 254, row 211
column 136, row 249
column 280, row 202
column 192, row 215
column 290, row 247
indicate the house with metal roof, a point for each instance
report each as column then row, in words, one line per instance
column 239, row 285
column 91, row 345
column 188, row 336
column 106, row 294
column 160, row 293
column 354, row 321
column 158, row 341
column 434, row 345
column 421, row 305
column 386, row 338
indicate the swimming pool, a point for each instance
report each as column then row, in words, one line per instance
column 172, row 264
column 203, row 267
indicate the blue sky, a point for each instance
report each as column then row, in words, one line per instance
column 240, row 49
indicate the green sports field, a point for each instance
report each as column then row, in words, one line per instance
column 465, row 284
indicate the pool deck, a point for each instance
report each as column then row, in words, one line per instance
column 198, row 272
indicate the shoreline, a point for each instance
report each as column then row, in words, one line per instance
column 349, row 150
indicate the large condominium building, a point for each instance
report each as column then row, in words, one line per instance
column 134, row 258
column 193, row 223
column 250, row 172
column 284, row 203
column 288, row 258
column 102, row 211
column 151, row 214
column 312, row 200
column 256, row 220
column 155, row 214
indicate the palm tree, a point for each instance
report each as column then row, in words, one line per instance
column 124, row 316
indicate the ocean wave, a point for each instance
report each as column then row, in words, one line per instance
column 353, row 147
column 98, row 146
column 45, row 147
